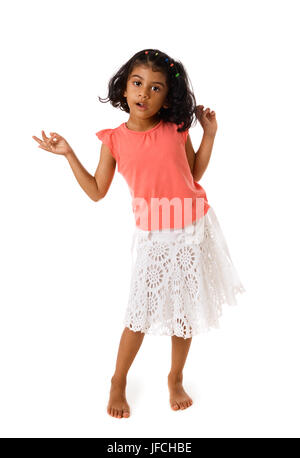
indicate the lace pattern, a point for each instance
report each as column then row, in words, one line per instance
column 180, row 279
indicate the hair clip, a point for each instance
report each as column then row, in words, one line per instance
column 166, row 60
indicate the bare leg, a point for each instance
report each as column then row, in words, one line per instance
column 129, row 346
column 179, row 399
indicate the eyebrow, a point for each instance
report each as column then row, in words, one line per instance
column 156, row 82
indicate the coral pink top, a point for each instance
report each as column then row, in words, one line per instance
column 155, row 167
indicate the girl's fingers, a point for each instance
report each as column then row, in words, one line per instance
column 55, row 137
column 205, row 112
column 38, row 140
column 42, row 147
column 43, row 144
column 47, row 140
column 200, row 108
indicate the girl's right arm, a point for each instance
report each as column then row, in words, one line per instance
column 96, row 186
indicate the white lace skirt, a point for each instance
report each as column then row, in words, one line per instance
column 180, row 279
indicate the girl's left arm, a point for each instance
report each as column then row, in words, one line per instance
column 208, row 121
column 202, row 156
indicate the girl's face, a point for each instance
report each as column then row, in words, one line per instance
column 147, row 87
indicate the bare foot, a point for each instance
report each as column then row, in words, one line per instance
column 179, row 399
column 117, row 405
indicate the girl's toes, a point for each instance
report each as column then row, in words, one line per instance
column 175, row 406
column 125, row 413
column 119, row 414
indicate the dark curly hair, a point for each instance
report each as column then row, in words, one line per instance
column 180, row 98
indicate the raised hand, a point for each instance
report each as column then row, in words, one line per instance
column 207, row 120
column 55, row 144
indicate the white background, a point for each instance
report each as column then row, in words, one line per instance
column 65, row 260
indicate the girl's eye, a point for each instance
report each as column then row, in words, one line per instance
column 152, row 86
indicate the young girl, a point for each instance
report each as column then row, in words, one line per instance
column 182, row 271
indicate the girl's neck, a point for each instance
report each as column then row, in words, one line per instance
column 141, row 125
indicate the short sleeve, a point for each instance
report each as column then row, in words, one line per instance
column 105, row 135
column 183, row 134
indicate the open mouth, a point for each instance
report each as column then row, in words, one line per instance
column 141, row 105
